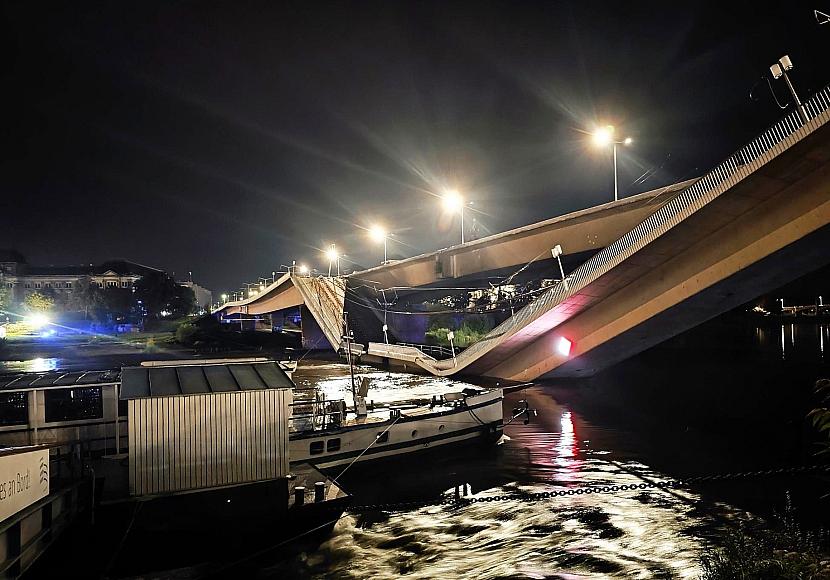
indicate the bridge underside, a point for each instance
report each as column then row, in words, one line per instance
column 765, row 231
column 804, row 256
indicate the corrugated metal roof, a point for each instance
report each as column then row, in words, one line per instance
column 162, row 381
column 56, row 379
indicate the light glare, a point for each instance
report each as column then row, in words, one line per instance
column 603, row 136
column 37, row 320
column 453, row 201
column 331, row 254
column 564, row 346
column 377, row 233
column 303, row 269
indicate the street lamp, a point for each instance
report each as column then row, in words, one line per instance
column 378, row 234
column 603, row 137
column 333, row 256
column 453, row 202
column 778, row 70
column 302, row 269
column 224, row 298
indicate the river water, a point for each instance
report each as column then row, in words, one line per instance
column 643, row 533
column 713, row 401
column 721, row 398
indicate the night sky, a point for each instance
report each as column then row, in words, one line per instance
column 228, row 140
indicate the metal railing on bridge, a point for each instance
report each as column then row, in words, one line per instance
column 740, row 164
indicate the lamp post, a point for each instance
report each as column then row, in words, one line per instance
column 333, row 256
column 604, row 136
column 453, row 202
column 378, row 234
column 778, row 70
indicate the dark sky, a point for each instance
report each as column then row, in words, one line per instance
column 230, row 139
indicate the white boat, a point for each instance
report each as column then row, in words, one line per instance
column 326, row 435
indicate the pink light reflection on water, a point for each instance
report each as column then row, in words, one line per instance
column 567, row 449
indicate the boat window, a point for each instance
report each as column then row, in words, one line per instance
column 73, row 404
column 316, row 448
column 383, row 437
column 414, row 433
column 333, row 444
column 14, row 408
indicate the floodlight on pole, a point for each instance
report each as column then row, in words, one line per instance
column 302, row 269
column 604, row 136
column 778, row 70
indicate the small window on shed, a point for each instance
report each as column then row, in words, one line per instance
column 75, row 404
column 316, row 448
column 14, row 408
column 333, row 445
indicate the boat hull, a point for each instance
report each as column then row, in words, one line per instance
column 479, row 418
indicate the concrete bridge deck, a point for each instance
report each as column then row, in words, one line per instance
column 665, row 261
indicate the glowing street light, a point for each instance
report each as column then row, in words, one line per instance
column 37, row 320
column 379, row 234
column 604, row 136
column 302, row 269
column 454, row 203
column 224, row 297
column 333, row 256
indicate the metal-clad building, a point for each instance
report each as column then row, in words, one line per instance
column 197, row 427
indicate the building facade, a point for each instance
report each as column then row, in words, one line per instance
column 204, row 297
column 22, row 279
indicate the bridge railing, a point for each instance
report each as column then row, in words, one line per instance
column 434, row 350
column 740, row 164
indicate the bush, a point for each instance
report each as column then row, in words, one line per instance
column 150, row 346
column 786, row 551
column 186, row 333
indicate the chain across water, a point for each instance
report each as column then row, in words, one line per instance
column 461, row 501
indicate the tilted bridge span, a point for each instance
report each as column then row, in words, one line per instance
column 656, row 264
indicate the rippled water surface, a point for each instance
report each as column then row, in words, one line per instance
column 639, row 534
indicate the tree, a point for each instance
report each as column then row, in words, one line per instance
column 37, row 302
column 86, row 296
column 159, row 293
column 117, row 302
column 5, row 295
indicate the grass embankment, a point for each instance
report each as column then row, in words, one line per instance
column 784, row 551
column 470, row 331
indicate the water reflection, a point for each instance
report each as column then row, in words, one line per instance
column 635, row 533
column 34, row 365
column 804, row 341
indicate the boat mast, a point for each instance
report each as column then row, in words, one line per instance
column 349, row 356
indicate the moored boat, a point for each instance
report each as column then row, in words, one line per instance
column 326, row 434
